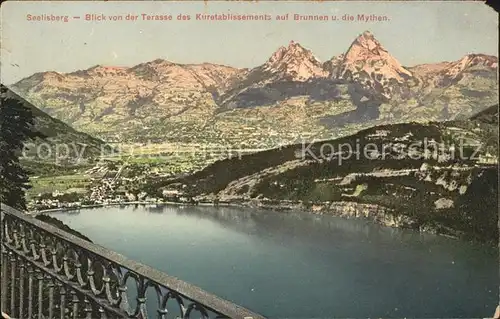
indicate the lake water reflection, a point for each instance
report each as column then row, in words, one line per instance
column 302, row 266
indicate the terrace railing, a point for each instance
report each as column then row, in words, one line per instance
column 49, row 273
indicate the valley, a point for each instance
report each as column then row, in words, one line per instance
column 249, row 159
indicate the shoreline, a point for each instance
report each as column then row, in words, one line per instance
column 372, row 213
column 65, row 209
column 68, row 209
column 281, row 207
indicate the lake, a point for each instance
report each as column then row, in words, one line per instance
column 293, row 265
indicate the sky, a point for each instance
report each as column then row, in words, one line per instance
column 415, row 33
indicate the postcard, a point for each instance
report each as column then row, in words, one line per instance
column 237, row 159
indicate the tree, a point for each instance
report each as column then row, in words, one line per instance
column 16, row 127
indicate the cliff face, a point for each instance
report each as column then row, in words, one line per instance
column 440, row 177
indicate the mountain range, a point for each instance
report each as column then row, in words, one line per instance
column 55, row 133
column 290, row 96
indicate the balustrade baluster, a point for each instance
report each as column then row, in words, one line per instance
column 62, row 303
column 88, row 309
column 51, row 286
column 13, row 285
column 24, row 246
column 102, row 313
column 74, row 304
column 3, row 297
column 124, row 305
column 15, row 237
column 55, row 264
column 143, row 313
column 39, row 277
column 35, row 254
column 21, row 288
column 30, row 291
column 43, row 249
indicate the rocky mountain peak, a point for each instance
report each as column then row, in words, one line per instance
column 478, row 59
column 470, row 62
column 43, row 78
column 294, row 62
column 367, row 60
column 367, row 41
column 367, row 53
column 160, row 62
column 105, row 70
column 293, row 51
